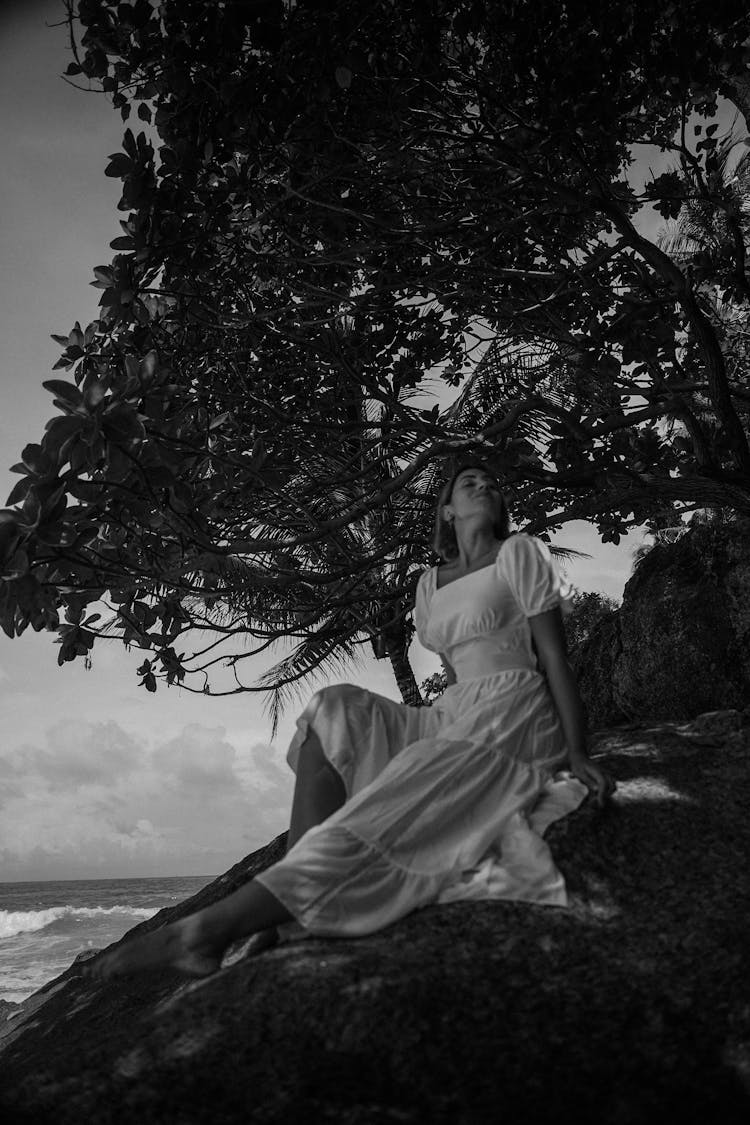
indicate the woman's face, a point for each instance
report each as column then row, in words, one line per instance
column 474, row 493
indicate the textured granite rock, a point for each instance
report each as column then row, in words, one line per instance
column 680, row 643
column 632, row 1006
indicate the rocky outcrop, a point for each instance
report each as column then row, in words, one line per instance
column 680, row 642
column 631, row 1006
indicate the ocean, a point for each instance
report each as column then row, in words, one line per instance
column 44, row 926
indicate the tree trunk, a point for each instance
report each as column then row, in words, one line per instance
column 395, row 643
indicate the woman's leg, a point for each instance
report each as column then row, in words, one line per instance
column 195, row 944
column 318, row 792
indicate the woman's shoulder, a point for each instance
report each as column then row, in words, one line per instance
column 427, row 578
column 521, row 550
column 510, row 544
column 519, row 537
column 519, row 541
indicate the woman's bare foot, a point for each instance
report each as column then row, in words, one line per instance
column 264, row 939
column 250, row 947
column 184, row 946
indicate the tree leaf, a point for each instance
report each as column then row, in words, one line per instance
column 132, row 367
column 149, row 366
column 65, row 391
column 122, row 422
column 36, row 459
column 128, row 142
column 59, row 431
column 17, row 565
column 119, row 166
column 94, row 393
column 19, row 491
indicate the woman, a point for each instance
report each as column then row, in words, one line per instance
column 397, row 807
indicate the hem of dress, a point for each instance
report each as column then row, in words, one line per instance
column 291, row 907
column 307, row 914
column 304, row 918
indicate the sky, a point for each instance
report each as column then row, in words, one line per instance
column 99, row 778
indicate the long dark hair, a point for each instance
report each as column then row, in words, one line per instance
column 444, row 540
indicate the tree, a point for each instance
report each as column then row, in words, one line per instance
column 433, row 687
column 229, row 458
column 588, row 609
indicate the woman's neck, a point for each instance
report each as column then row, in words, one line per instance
column 474, row 549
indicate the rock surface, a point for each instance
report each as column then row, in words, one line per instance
column 680, row 642
column 630, row 1007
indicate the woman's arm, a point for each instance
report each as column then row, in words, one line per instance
column 549, row 639
column 450, row 675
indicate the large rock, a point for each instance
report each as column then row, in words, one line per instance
column 630, row 1007
column 680, row 642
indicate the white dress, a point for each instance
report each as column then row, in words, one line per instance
column 448, row 802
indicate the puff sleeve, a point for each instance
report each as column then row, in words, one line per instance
column 533, row 576
column 421, row 609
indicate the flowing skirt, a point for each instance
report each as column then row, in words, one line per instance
column 443, row 804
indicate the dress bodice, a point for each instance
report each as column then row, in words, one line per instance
column 480, row 621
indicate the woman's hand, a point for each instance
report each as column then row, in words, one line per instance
column 598, row 781
column 549, row 640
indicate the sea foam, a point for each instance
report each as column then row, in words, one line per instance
column 27, row 921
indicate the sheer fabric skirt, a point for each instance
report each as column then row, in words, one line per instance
column 443, row 804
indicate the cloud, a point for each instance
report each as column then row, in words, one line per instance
column 8, row 789
column 199, row 759
column 94, row 800
column 78, row 753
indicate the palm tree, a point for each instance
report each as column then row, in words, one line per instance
column 713, row 225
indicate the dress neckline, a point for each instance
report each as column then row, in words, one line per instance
column 469, row 573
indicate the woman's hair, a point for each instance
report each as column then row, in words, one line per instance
column 444, row 540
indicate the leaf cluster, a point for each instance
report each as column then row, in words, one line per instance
column 329, row 201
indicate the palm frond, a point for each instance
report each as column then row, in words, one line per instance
column 702, row 226
column 313, row 659
column 568, row 553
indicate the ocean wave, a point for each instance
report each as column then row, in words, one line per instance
column 14, row 922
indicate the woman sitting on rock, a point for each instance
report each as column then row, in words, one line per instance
column 398, row 807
